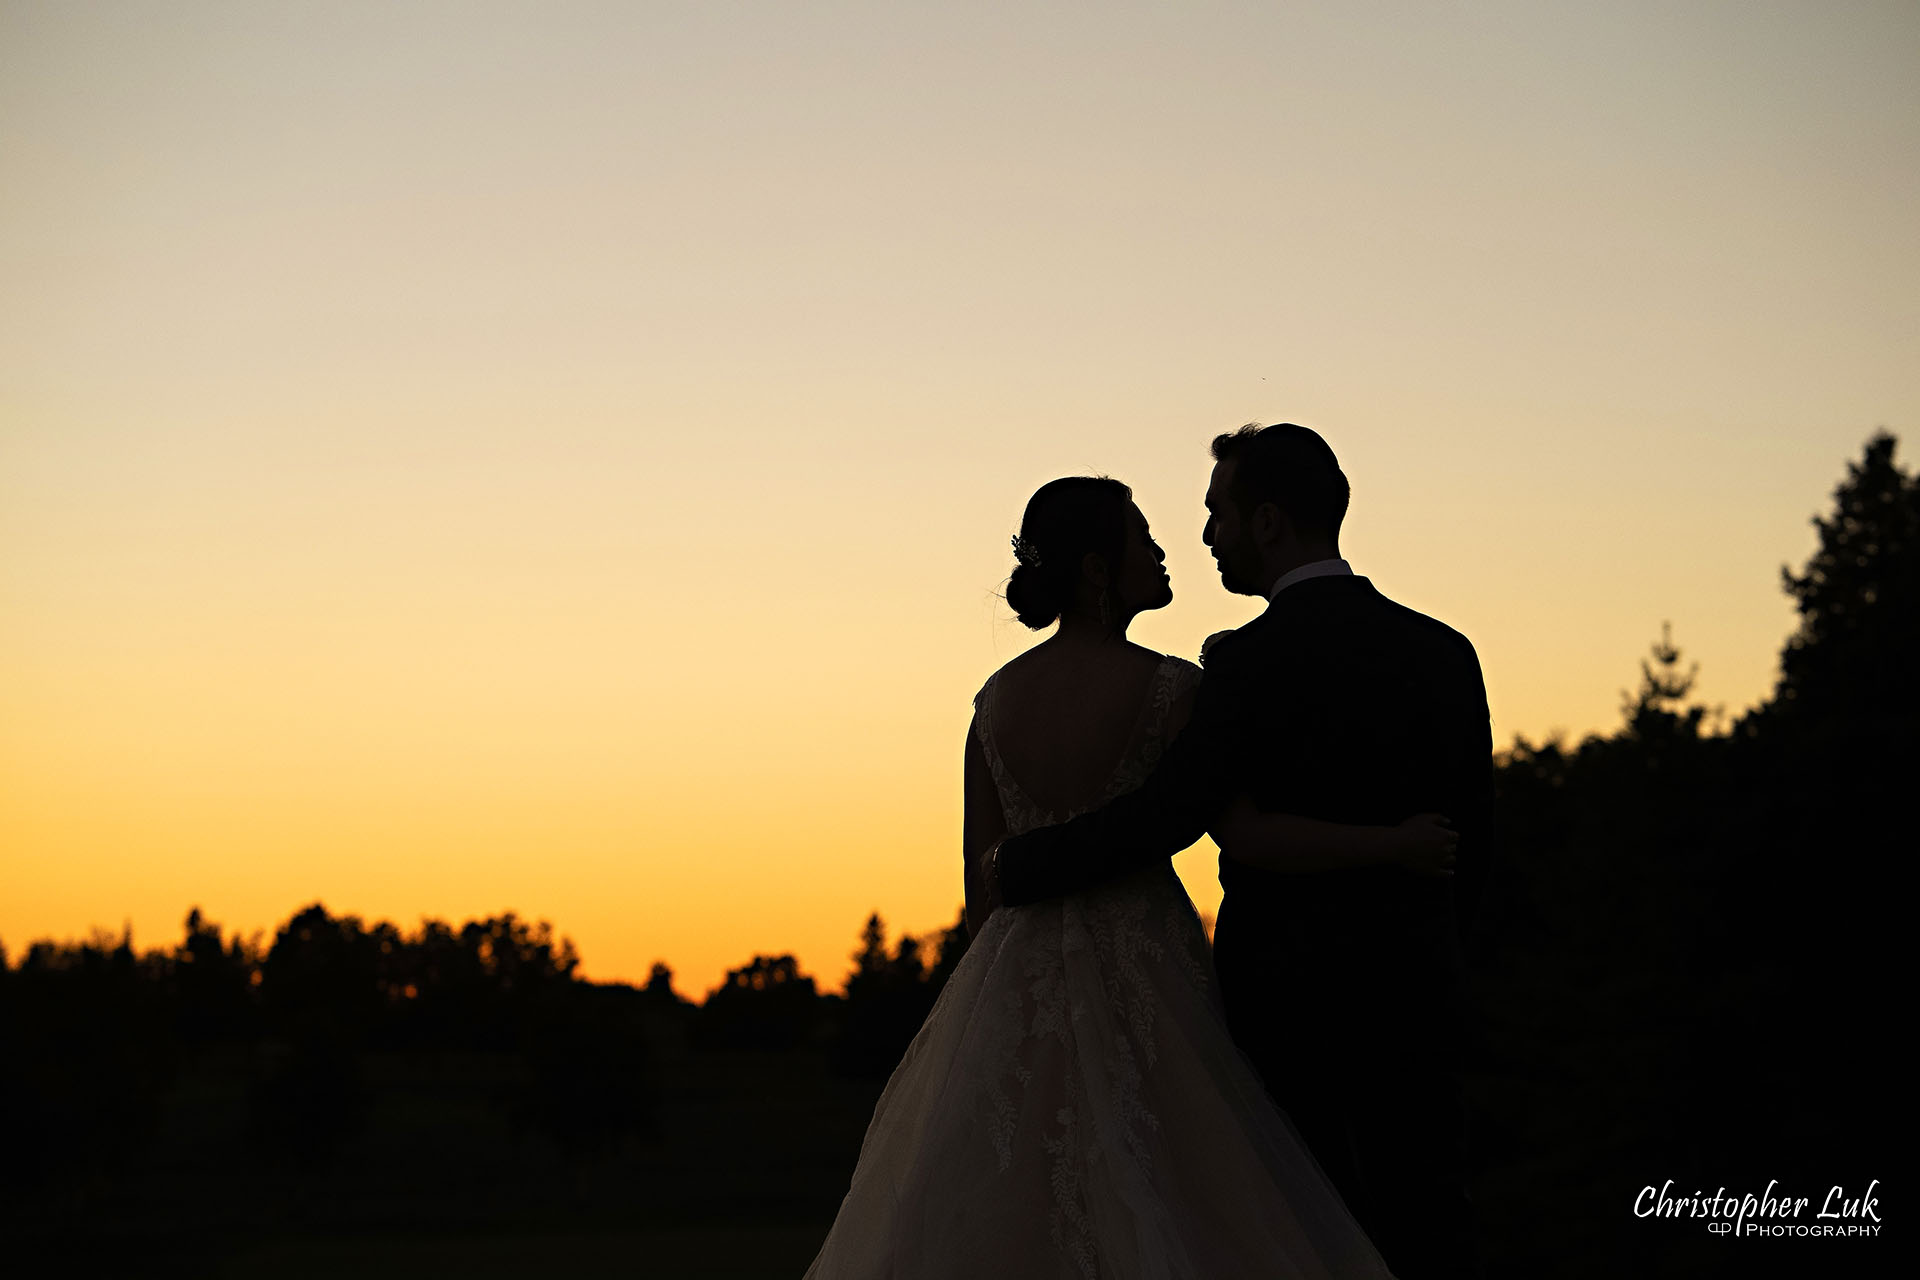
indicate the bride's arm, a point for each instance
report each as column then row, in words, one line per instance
column 981, row 826
column 1423, row 843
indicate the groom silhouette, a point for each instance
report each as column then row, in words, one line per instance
column 1344, row 988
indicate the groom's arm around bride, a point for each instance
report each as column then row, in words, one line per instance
column 1284, row 717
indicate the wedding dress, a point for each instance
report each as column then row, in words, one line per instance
column 1073, row 1106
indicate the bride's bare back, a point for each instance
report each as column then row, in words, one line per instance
column 1064, row 720
column 1056, row 732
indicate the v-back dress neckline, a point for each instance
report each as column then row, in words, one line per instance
column 1012, row 792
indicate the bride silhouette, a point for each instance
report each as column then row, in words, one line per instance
column 1074, row 1105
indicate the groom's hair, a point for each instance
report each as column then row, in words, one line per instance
column 1289, row 466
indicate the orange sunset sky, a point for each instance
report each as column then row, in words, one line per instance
column 560, row 458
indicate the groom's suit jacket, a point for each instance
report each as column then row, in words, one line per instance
column 1335, row 703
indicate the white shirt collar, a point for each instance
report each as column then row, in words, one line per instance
column 1312, row 569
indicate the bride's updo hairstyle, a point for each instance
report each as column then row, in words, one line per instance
column 1065, row 519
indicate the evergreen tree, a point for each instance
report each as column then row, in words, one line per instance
column 870, row 961
column 1852, row 658
column 888, row 996
column 1665, row 688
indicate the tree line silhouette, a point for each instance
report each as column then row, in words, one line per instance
column 1683, row 955
column 1687, row 952
column 97, row 1032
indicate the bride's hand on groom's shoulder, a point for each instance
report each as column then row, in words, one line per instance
column 1207, row 644
column 1427, row 844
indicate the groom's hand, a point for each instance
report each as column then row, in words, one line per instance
column 1427, row 844
column 990, row 874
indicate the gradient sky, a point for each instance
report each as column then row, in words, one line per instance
column 457, row 458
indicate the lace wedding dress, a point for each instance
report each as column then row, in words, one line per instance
column 1073, row 1106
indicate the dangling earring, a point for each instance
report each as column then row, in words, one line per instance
column 1106, row 610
